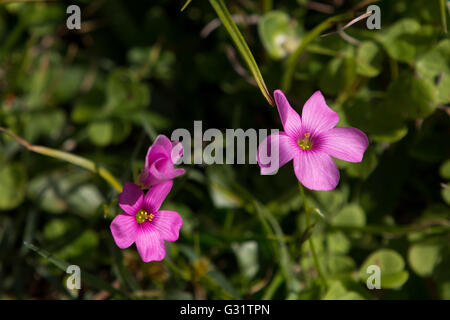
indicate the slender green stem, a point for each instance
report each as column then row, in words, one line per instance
column 185, row 5
column 69, row 157
column 267, row 5
column 394, row 69
column 310, row 240
column 291, row 63
column 443, row 15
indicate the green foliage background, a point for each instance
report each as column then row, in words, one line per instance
column 142, row 68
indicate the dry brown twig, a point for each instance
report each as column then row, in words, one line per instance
column 349, row 24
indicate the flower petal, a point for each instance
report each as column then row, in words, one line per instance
column 316, row 170
column 163, row 170
column 164, row 142
column 292, row 123
column 317, row 116
column 156, row 195
column 131, row 198
column 269, row 159
column 159, row 161
column 177, row 151
column 149, row 243
column 168, row 224
column 344, row 143
column 124, row 229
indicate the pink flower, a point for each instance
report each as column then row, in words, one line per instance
column 143, row 222
column 311, row 140
column 161, row 156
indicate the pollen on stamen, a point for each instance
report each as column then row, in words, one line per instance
column 305, row 143
column 142, row 216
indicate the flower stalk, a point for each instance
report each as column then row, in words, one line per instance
column 293, row 59
column 310, row 241
column 69, row 157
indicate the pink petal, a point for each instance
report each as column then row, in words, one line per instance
column 290, row 119
column 156, row 152
column 124, row 229
column 131, row 198
column 164, row 142
column 159, row 162
column 168, row 224
column 155, row 170
column 177, row 151
column 149, row 243
column 317, row 116
column 344, row 143
column 316, row 170
column 162, row 170
column 156, row 195
column 267, row 159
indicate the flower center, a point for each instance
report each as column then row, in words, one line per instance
column 142, row 216
column 305, row 143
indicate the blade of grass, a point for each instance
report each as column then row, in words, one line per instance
column 285, row 258
column 322, row 277
column 291, row 63
column 69, row 157
column 443, row 15
column 225, row 16
column 88, row 278
column 272, row 288
column 272, row 230
column 186, row 4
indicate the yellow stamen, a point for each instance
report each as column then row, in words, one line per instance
column 305, row 143
column 142, row 216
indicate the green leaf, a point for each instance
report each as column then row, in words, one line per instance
column 221, row 192
column 338, row 264
column 337, row 291
column 364, row 168
column 339, row 75
column 279, row 34
column 247, row 256
column 434, row 66
column 397, row 44
column 123, row 91
column 68, row 84
column 46, row 123
column 411, row 96
column 445, row 192
column 56, row 228
column 379, row 120
column 89, row 107
column 86, row 244
column 423, row 258
column 103, row 133
column 391, row 266
column 338, row 243
column 368, row 59
column 12, row 185
column 60, row 191
column 292, row 61
column 351, row 215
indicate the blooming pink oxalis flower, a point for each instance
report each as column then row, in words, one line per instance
column 160, row 160
column 311, row 140
column 143, row 223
